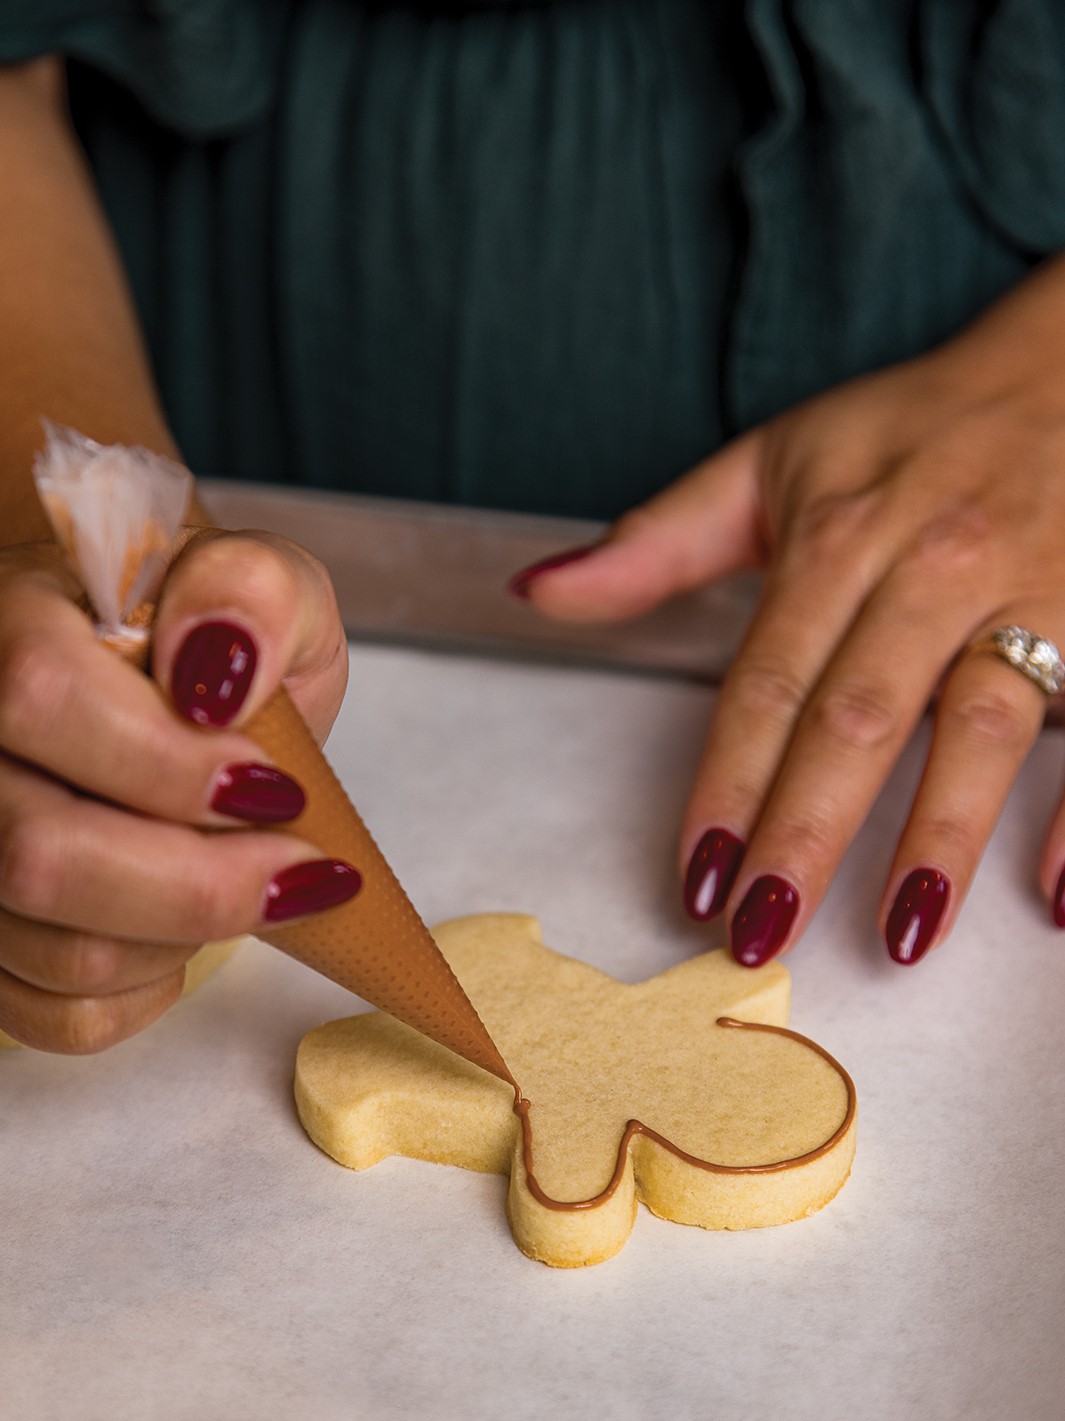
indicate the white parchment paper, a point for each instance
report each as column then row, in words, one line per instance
column 172, row 1246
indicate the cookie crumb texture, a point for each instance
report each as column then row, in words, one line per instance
column 755, row 1124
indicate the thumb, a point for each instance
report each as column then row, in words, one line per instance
column 240, row 614
column 702, row 527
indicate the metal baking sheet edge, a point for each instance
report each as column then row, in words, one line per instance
column 436, row 576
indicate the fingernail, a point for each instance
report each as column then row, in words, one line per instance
column 521, row 582
column 915, row 914
column 310, row 888
column 711, row 872
column 213, row 672
column 1059, row 902
column 258, row 793
column 761, row 926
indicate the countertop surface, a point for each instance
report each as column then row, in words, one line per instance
column 172, row 1245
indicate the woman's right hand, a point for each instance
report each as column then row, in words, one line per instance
column 113, row 869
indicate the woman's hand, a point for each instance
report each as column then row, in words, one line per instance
column 900, row 518
column 112, row 795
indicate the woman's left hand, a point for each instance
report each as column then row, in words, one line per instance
column 900, row 518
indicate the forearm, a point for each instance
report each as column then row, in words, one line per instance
column 70, row 346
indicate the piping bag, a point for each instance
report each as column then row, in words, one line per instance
column 116, row 513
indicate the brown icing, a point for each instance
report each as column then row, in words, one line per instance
column 637, row 1127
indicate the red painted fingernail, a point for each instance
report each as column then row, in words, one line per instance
column 915, row 914
column 310, row 888
column 711, row 873
column 258, row 793
column 763, row 921
column 213, row 672
column 520, row 583
column 1059, row 902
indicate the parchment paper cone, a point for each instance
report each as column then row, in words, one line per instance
column 375, row 944
column 115, row 512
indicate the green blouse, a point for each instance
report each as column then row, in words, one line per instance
column 547, row 255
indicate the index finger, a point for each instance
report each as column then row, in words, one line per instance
column 74, row 709
column 239, row 614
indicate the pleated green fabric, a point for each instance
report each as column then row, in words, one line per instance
column 546, row 256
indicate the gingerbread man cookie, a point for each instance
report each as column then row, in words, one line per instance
column 684, row 1091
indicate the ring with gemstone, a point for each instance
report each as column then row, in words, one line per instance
column 1034, row 656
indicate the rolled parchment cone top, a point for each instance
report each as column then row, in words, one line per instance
column 374, row 944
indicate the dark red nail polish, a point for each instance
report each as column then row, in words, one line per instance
column 711, row 873
column 310, row 888
column 258, row 793
column 520, row 583
column 213, row 672
column 761, row 926
column 915, row 914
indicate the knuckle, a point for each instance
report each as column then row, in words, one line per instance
column 33, row 686
column 89, row 1027
column 766, row 689
column 200, row 908
column 808, row 835
column 29, row 867
column 85, row 1026
column 259, row 569
column 987, row 720
column 856, row 715
column 89, row 965
column 209, row 909
column 955, row 840
column 956, row 543
column 830, row 524
column 63, row 1026
column 734, row 794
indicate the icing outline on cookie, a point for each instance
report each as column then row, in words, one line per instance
column 523, row 1107
column 777, row 1106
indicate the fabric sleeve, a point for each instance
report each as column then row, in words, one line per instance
column 995, row 82
column 201, row 67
